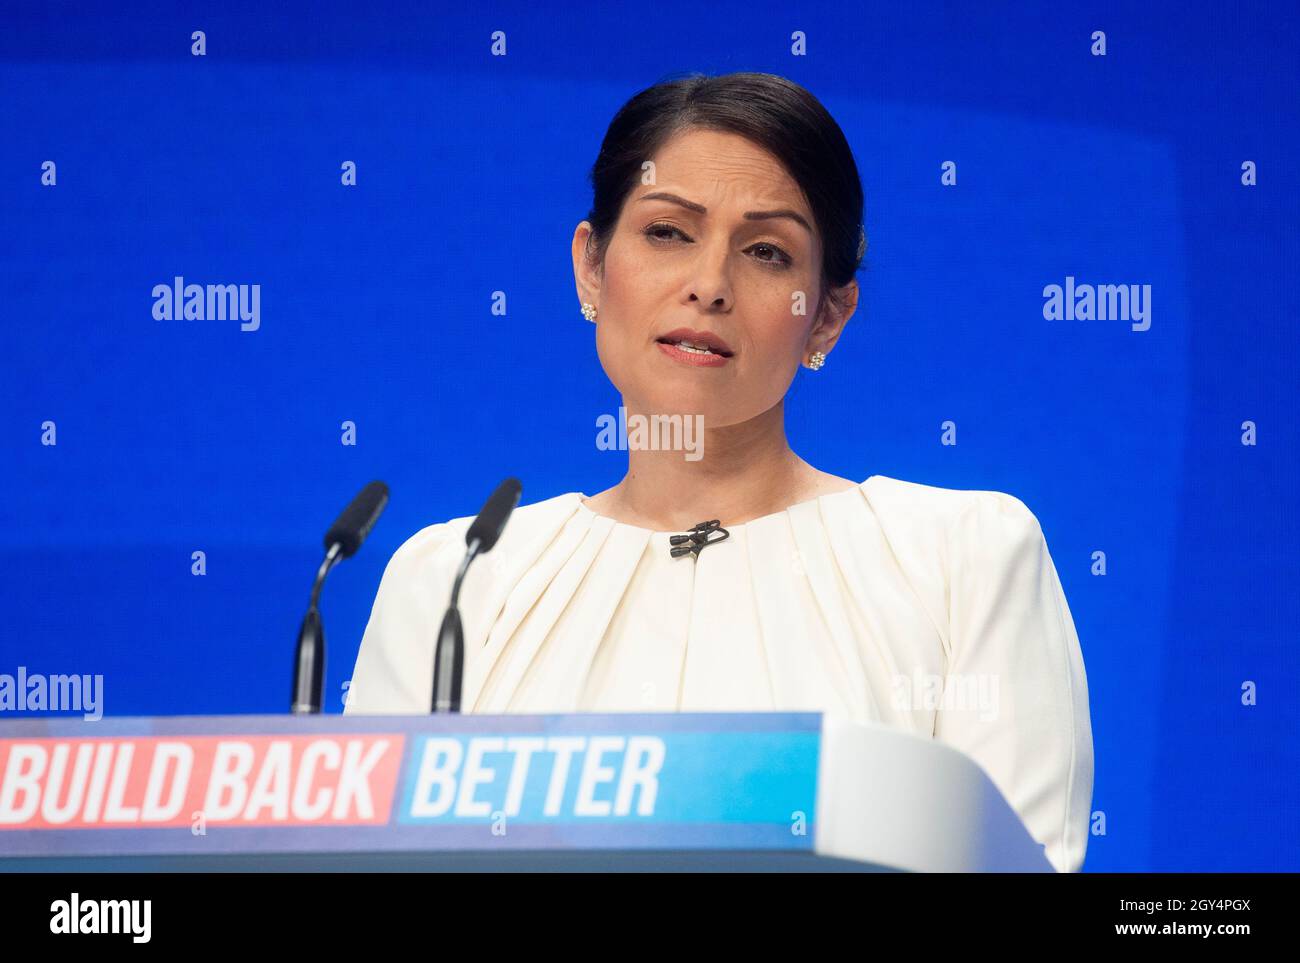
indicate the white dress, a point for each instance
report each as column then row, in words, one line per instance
column 935, row 610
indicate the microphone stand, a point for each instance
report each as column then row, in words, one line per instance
column 449, row 655
column 309, row 660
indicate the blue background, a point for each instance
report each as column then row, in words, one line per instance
column 376, row 308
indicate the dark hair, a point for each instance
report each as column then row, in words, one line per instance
column 771, row 111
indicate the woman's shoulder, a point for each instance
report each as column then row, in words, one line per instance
column 938, row 510
column 935, row 497
column 526, row 522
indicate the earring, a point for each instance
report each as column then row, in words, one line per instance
column 816, row 360
column 588, row 312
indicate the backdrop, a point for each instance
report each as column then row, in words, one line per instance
column 133, row 153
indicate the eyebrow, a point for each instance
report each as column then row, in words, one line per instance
column 749, row 215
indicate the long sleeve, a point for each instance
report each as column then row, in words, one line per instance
column 1012, row 637
column 394, row 668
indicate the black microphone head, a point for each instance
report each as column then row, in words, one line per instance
column 351, row 528
column 491, row 521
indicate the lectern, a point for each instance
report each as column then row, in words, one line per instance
column 766, row 791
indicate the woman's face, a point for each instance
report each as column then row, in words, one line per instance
column 685, row 256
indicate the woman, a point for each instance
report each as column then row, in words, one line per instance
column 718, row 256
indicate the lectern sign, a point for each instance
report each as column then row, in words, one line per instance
column 208, row 785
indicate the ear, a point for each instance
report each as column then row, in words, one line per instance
column 586, row 272
column 832, row 318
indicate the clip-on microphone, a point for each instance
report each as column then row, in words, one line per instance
column 698, row 538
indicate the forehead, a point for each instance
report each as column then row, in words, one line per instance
column 720, row 164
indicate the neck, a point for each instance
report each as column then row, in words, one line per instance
column 746, row 471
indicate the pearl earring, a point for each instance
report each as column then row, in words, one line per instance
column 816, row 360
column 589, row 312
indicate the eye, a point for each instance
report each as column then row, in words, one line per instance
column 783, row 258
column 778, row 257
column 655, row 229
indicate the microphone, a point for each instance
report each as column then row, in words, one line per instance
column 341, row 541
column 698, row 537
column 449, row 654
column 351, row 528
column 491, row 521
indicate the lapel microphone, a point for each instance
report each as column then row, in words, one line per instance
column 697, row 537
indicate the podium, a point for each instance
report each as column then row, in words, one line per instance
column 713, row 791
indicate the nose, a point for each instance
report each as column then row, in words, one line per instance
column 719, row 303
column 711, row 283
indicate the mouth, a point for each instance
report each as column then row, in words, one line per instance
column 698, row 343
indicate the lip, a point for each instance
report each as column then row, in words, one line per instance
column 707, row 338
column 690, row 358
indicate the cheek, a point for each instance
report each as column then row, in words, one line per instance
column 627, row 309
column 616, row 352
column 626, row 276
column 607, row 341
column 779, row 336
